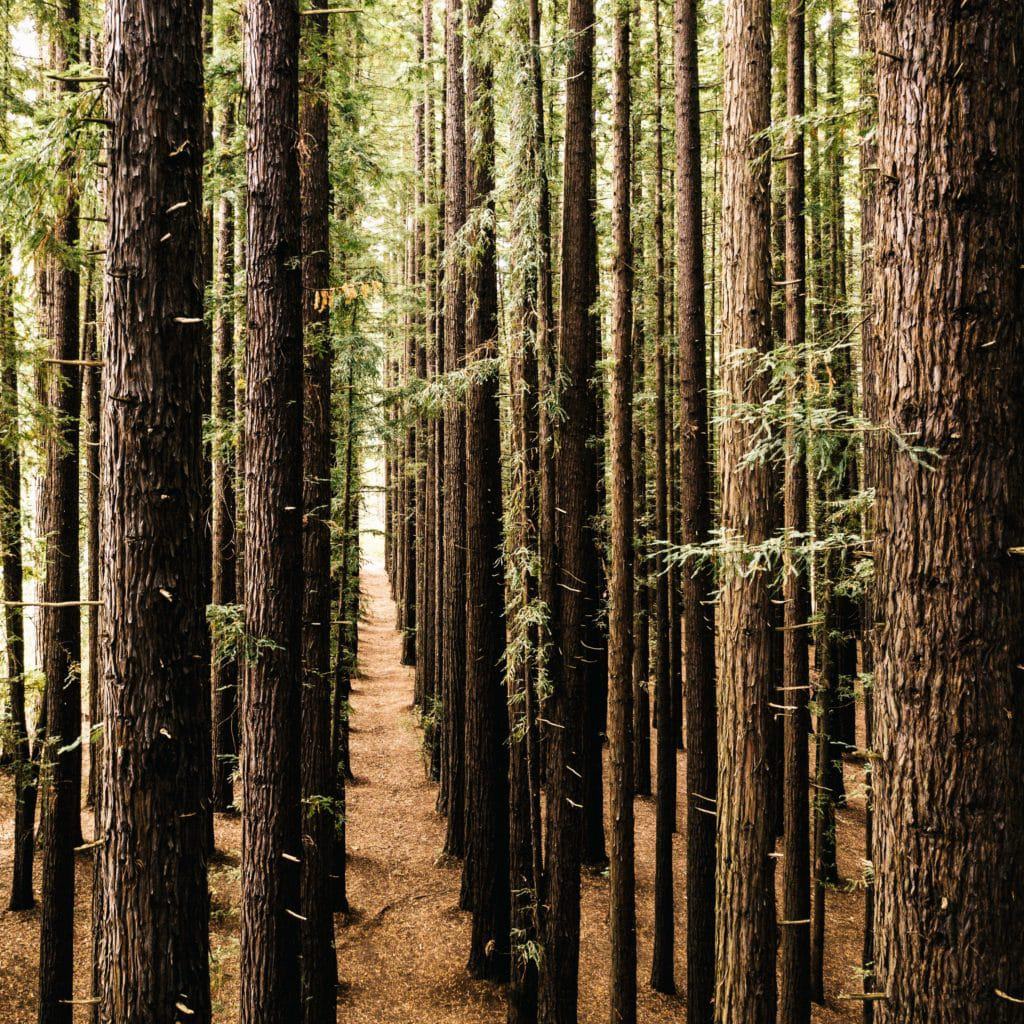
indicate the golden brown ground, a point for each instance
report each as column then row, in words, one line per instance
column 401, row 951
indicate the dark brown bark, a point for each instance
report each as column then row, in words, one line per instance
column 225, row 583
column 91, row 477
column 794, row 951
column 152, row 938
column 60, row 637
column 25, row 766
column 319, row 809
column 745, row 900
column 622, row 916
column 453, row 636
column 576, row 487
column 949, row 687
column 663, row 957
column 487, row 797
column 696, row 522
column 271, row 845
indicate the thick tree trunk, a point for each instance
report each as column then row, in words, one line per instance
column 319, row 808
column 949, row 687
column 453, row 638
column 575, row 486
column 745, row 899
column 794, row 951
column 225, row 536
column 271, row 844
column 60, row 628
column 487, row 797
column 696, row 521
column 622, row 917
column 153, row 930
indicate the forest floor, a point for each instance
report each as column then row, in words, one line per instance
column 402, row 949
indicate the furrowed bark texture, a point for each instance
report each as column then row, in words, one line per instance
column 744, row 890
column 622, row 916
column 60, row 628
column 697, row 582
column 487, row 796
column 271, row 845
column 453, row 598
column 319, row 810
column 949, row 686
column 576, row 486
column 152, row 939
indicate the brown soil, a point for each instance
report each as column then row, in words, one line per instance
column 401, row 951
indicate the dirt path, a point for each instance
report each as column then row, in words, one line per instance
column 402, row 950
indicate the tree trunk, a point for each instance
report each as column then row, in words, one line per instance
column 319, row 809
column 697, row 579
column 153, row 932
column 271, row 845
column 622, row 917
column 225, row 584
column 949, row 687
column 794, row 989
column 487, row 798
column 60, row 628
column 745, row 897
column 25, row 766
column 663, row 957
column 575, row 486
column 453, row 639
column 90, row 418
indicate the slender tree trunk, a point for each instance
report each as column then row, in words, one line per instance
column 153, row 930
column 91, row 474
column 663, row 957
column 25, row 766
column 60, row 636
column 225, row 584
column 575, row 486
column 949, row 688
column 794, row 989
column 271, row 844
column 319, row 810
column 622, row 923
column 487, row 797
column 698, row 578
column 453, row 639
column 641, row 554
column 745, row 899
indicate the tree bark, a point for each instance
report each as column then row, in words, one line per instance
column 60, row 637
column 271, row 846
column 153, row 931
column 225, row 536
column 487, row 797
column 575, row 486
column 319, row 807
column 949, row 687
column 453, row 638
column 25, row 763
column 794, row 987
column 745, row 898
column 663, row 957
column 622, row 917
column 90, row 418
column 696, row 521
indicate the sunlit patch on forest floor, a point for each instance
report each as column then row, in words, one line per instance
column 402, row 949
